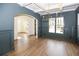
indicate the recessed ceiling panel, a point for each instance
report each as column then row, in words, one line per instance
column 48, row 6
column 33, row 7
column 45, row 8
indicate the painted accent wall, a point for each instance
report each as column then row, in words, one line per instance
column 7, row 13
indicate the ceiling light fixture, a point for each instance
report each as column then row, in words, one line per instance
column 59, row 9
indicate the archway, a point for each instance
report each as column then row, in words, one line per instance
column 27, row 24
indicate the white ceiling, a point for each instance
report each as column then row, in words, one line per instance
column 42, row 8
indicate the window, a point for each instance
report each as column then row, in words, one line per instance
column 59, row 25
column 56, row 26
column 52, row 25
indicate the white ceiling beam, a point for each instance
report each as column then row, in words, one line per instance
column 28, row 4
column 41, row 8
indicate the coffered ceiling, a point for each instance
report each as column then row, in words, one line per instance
column 48, row 8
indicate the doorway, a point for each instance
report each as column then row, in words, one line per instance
column 25, row 25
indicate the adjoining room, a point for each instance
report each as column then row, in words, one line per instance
column 25, row 25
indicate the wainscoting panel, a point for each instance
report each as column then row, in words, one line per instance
column 5, row 41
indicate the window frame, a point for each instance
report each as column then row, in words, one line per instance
column 55, row 25
column 61, row 24
column 50, row 31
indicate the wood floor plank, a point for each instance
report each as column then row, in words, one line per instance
column 30, row 46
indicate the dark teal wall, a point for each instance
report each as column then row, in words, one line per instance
column 70, row 25
column 69, row 28
column 7, row 13
column 77, row 12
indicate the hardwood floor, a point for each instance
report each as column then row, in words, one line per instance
column 30, row 46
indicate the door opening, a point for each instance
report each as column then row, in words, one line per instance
column 25, row 24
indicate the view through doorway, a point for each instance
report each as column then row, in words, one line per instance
column 25, row 25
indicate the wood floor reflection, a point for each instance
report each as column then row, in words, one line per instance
column 30, row 46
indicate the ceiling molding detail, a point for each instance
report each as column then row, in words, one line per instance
column 49, row 8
